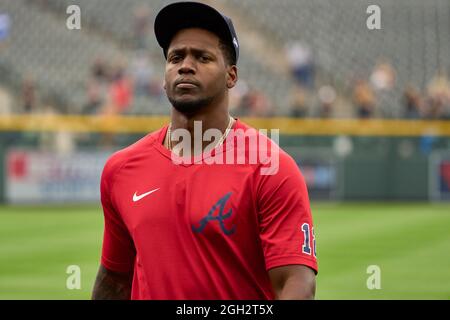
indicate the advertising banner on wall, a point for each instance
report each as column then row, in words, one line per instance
column 439, row 176
column 46, row 177
column 320, row 170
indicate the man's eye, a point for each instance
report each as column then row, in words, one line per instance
column 205, row 59
column 175, row 58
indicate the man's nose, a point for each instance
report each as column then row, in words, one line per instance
column 187, row 66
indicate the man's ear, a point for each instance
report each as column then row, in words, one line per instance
column 232, row 76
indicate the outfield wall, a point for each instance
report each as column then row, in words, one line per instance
column 340, row 159
column 387, row 168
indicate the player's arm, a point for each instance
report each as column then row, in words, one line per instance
column 287, row 232
column 111, row 285
column 293, row 282
column 115, row 275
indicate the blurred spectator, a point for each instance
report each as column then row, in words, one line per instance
column 413, row 103
column 301, row 62
column 327, row 98
column 118, row 100
column 364, row 99
column 97, row 86
column 28, row 98
column 435, row 108
column 5, row 27
column 5, row 102
column 141, row 26
column 145, row 82
column 382, row 79
column 298, row 102
column 383, row 76
column 120, row 91
column 255, row 104
column 100, row 71
column 95, row 98
column 439, row 96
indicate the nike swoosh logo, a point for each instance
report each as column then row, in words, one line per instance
column 136, row 198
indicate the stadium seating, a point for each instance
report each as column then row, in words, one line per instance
column 414, row 35
column 115, row 18
column 58, row 59
column 413, row 38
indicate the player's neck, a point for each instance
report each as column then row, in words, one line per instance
column 217, row 118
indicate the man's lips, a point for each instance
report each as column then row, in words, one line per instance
column 186, row 84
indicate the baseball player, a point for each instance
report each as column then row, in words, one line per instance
column 196, row 230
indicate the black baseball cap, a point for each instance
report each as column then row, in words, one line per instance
column 187, row 14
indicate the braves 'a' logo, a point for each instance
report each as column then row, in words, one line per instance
column 221, row 217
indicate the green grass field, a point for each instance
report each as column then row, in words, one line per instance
column 409, row 242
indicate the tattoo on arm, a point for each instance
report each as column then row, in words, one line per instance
column 112, row 286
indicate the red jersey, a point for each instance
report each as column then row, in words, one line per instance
column 202, row 231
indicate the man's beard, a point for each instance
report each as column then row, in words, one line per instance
column 190, row 106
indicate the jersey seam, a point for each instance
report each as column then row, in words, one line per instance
column 117, row 171
column 115, row 265
column 276, row 257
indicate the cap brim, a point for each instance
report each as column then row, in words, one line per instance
column 182, row 15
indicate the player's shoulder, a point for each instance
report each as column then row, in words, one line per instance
column 270, row 138
column 120, row 157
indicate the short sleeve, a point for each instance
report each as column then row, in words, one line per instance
column 286, row 225
column 118, row 251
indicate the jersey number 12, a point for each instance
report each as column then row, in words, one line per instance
column 307, row 231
